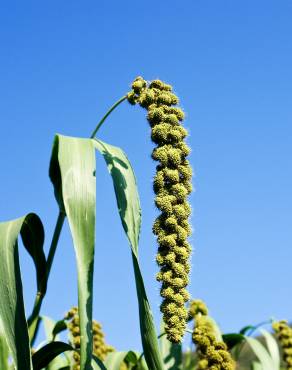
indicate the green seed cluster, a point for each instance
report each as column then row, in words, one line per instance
column 284, row 335
column 213, row 354
column 172, row 185
column 100, row 348
column 197, row 306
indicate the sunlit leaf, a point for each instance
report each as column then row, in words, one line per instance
column 130, row 212
column 261, row 353
column 272, row 348
column 72, row 171
column 46, row 354
column 12, row 311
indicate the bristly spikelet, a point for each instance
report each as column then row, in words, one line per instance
column 100, row 348
column 284, row 334
column 172, row 185
column 212, row 354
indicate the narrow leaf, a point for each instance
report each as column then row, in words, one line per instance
column 49, row 325
column 72, row 171
column 97, row 364
column 130, row 213
column 46, row 354
column 59, row 327
column 261, row 353
column 257, row 366
column 232, row 339
column 114, row 360
column 4, row 352
column 12, row 311
column 272, row 348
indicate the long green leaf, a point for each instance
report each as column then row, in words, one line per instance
column 12, row 311
column 114, row 360
column 49, row 327
column 130, row 212
column 4, row 351
column 72, row 171
column 47, row 353
column 272, row 347
column 257, row 366
column 261, row 353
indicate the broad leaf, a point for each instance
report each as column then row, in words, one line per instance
column 46, row 354
column 72, row 171
column 50, row 326
column 11, row 303
column 130, row 212
column 261, row 353
column 232, row 339
column 272, row 348
column 114, row 360
column 257, row 366
column 59, row 327
column 4, row 351
column 246, row 329
column 97, row 364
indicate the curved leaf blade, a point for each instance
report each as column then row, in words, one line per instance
column 232, row 339
column 72, row 172
column 12, row 310
column 114, row 360
column 272, row 348
column 262, row 354
column 4, row 351
column 47, row 353
column 129, row 209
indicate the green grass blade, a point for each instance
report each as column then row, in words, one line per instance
column 114, row 360
column 12, row 311
column 97, row 364
column 272, row 348
column 72, row 171
column 49, row 328
column 4, row 351
column 47, row 353
column 256, row 366
column 49, row 325
column 262, row 354
column 130, row 212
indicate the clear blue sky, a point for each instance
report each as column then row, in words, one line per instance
column 63, row 63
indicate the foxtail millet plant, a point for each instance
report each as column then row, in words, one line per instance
column 172, row 185
column 212, row 354
column 284, row 334
column 73, row 174
column 100, row 348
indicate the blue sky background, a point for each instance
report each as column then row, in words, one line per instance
column 63, row 63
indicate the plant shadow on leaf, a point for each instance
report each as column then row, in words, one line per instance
column 120, row 183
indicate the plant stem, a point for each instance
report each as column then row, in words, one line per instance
column 53, row 247
column 106, row 115
column 34, row 317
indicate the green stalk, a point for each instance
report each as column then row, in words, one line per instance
column 33, row 320
column 106, row 115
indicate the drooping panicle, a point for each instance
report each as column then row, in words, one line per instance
column 172, row 184
column 100, row 348
column 212, row 353
column 284, row 334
